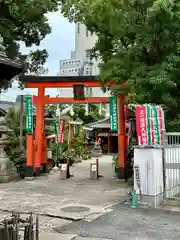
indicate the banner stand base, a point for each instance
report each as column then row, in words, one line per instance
column 120, row 173
column 44, row 168
column 29, row 171
column 37, row 171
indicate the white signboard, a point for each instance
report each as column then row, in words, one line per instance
column 137, row 179
column 94, row 168
column 63, row 167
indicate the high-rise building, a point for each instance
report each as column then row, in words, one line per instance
column 85, row 41
column 80, row 62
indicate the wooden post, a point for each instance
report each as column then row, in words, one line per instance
column 85, row 145
column 70, row 136
column 39, row 130
column 109, row 142
column 29, row 155
column 121, row 138
column 44, row 155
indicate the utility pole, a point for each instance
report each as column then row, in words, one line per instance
column 21, row 121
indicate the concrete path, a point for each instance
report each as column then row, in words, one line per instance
column 124, row 223
column 62, row 201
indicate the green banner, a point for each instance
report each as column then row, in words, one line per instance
column 56, row 128
column 29, row 115
column 113, row 113
column 148, row 124
column 156, row 125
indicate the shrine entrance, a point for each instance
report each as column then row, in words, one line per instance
column 35, row 152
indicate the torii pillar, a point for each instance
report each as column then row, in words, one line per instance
column 39, row 132
column 121, row 139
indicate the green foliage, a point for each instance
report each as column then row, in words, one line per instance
column 77, row 142
column 15, row 154
column 13, row 122
column 26, row 22
column 138, row 43
column 79, row 112
column 115, row 162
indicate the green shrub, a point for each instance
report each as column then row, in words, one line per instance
column 115, row 162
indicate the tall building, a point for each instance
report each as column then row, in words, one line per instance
column 80, row 62
column 85, row 41
column 70, row 67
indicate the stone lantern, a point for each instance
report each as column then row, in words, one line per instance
column 7, row 170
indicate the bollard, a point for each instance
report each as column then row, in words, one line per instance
column 93, row 171
column 63, row 171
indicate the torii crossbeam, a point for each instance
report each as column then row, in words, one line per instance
column 42, row 82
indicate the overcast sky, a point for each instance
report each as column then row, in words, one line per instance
column 59, row 44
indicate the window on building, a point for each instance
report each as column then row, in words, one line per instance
column 87, row 54
column 87, row 71
column 78, row 28
column 87, row 33
column 75, row 69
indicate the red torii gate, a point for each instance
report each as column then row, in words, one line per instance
column 42, row 82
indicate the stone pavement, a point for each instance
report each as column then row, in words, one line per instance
column 62, row 201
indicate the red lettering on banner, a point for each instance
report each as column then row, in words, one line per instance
column 61, row 132
column 141, row 125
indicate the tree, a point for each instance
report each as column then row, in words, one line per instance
column 77, row 142
column 13, row 150
column 26, row 21
column 138, row 43
column 93, row 113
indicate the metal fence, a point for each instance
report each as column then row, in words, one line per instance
column 16, row 228
column 172, row 164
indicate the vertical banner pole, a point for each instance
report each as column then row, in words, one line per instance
column 29, row 137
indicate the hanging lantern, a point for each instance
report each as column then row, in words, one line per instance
column 100, row 109
column 75, row 130
column 86, row 109
column 71, row 110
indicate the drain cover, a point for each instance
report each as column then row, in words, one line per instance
column 75, row 209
